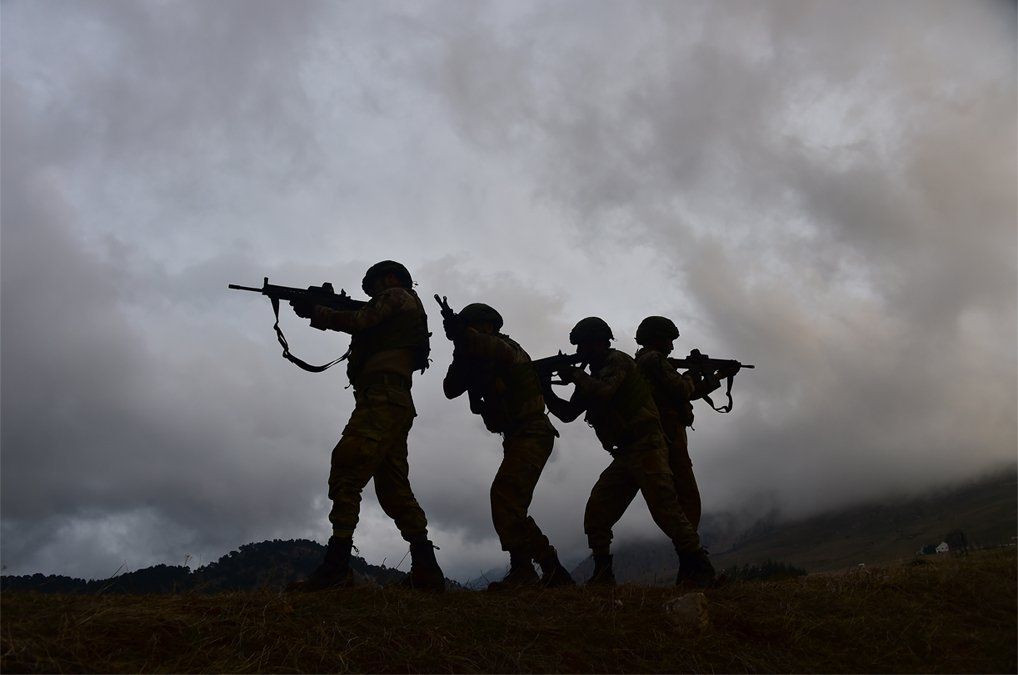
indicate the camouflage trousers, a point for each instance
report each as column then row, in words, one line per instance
column 685, row 482
column 374, row 446
column 513, row 489
column 633, row 471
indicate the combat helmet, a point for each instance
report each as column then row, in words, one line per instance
column 656, row 328
column 380, row 269
column 591, row 329
column 478, row 312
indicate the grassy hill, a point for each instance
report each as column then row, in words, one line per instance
column 947, row 614
column 268, row 565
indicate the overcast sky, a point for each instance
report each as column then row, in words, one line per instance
column 823, row 189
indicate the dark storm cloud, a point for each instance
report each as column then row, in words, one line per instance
column 834, row 194
column 111, row 423
column 824, row 190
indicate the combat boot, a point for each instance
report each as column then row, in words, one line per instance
column 695, row 570
column 334, row 572
column 425, row 574
column 520, row 575
column 553, row 574
column 603, row 574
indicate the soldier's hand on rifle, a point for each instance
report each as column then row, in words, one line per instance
column 302, row 309
column 726, row 371
column 568, row 375
column 453, row 327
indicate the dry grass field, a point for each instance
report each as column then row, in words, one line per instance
column 950, row 614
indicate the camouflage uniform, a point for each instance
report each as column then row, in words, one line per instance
column 673, row 393
column 389, row 342
column 506, row 393
column 621, row 409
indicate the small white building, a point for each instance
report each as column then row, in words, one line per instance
column 943, row 547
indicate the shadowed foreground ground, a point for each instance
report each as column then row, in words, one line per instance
column 954, row 614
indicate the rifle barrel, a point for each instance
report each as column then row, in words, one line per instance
column 245, row 288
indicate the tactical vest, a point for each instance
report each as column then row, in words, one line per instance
column 405, row 330
column 629, row 414
column 510, row 394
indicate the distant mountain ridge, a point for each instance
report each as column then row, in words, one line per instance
column 265, row 565
column 986, row 511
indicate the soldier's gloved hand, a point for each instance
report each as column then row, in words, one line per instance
column 453, row 327
column 568, row 375
column 709, row 383
column 302, row 309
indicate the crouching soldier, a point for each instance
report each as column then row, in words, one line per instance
column 505, row 391
column 389, row 342
column 674, row 393
column 619, row 406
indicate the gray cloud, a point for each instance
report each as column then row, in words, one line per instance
column 824, row 190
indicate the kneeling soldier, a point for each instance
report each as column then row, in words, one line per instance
column 506, row 392
column 619, row 406
column 390, row 341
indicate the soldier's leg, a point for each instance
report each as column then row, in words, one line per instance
column 392, row 485
column 354, row 460
column 649, row 469
column 685, row 482
column 513, row 490
column 609, row 498
column 357, row 456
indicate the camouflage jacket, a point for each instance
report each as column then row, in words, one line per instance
column 504, row 389
column 673, row 391
column 619, row 405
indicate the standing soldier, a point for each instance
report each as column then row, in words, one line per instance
column 505, row 391
column 619, row 406
column 673, row 394
column 389, row 342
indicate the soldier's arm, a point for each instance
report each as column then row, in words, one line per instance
column 455, row 382
column 391, row 301
column 704, row 384
column 565, row 410
column 604, row 385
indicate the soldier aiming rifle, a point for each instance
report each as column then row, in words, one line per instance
column 504, row 389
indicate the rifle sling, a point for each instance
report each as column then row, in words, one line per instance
column 728, row 392
column 286, row 347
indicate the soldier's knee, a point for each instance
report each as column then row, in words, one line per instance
column 394, row 497
column 592, row 518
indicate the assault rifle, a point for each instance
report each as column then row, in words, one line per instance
column 449, row 316
column 323, row 295
column 550, row 365
column 701, row 364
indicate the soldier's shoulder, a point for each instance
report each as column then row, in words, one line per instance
column 398, row 296
column 521, row 354
column 650, row 358
column 616, row 356
column 619, row 361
